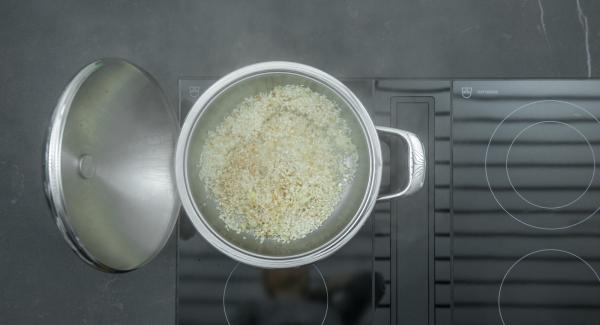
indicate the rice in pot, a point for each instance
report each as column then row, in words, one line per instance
column 277, row 165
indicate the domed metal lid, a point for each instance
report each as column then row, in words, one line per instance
column 109, row 166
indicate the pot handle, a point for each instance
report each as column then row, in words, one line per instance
column 416, row 163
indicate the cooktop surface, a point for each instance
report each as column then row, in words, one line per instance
column 524, row 230
column 505, row 231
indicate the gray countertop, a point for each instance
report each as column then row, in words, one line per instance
column 46, row 42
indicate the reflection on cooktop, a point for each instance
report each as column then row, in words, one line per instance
column 296, row 296
column 254, row 296
column 213, row 289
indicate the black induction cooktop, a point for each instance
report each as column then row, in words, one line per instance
column 505, row 231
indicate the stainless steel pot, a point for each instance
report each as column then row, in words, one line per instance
column 358, row 199
column 112, row 185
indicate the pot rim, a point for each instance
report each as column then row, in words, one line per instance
column 238, row 253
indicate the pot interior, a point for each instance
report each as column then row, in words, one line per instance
column 354, row 197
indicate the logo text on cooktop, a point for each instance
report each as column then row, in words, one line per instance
column 467, row 92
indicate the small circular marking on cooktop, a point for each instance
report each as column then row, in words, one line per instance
column 560, row 205
column 275, row 278
column 529, row 288
column 533, row 212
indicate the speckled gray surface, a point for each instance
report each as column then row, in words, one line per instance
column 46, row 42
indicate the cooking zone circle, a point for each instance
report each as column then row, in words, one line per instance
column 541, row 171
column 560, row 204
column 548, row 285
column 277, row 294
